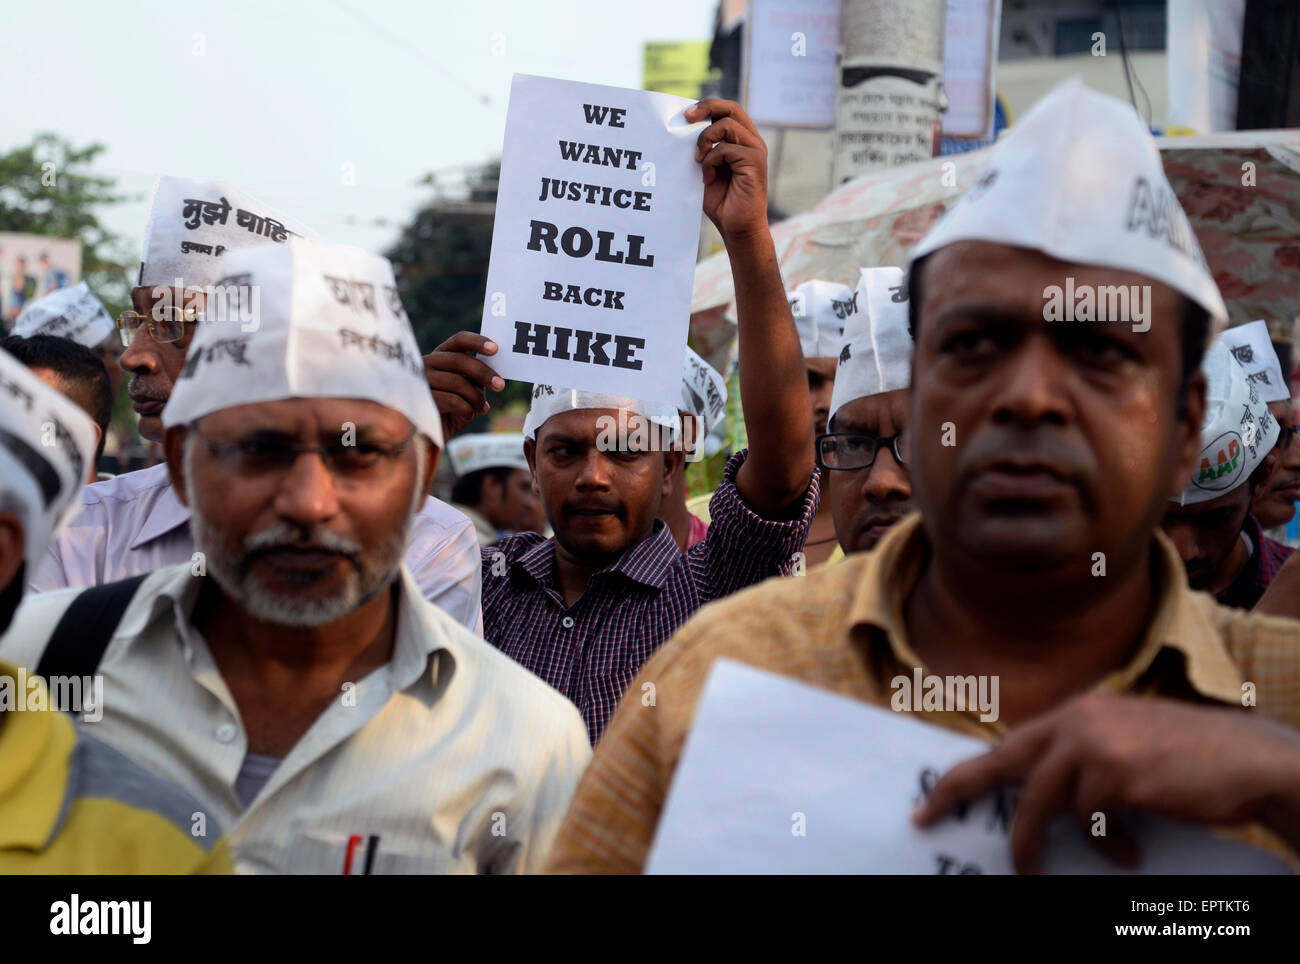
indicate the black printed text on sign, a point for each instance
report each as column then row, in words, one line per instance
column 594, row 245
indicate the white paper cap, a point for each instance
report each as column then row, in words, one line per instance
column 704, row 391
column 1237, row 433
column 46, row 446
column 876, row 355
column 487, row 450
column 1253, row 349
column 195, row 223
column 67, row 313
column 1079, row 178
column 819, row 309
column 329, row 324
column 549, row 401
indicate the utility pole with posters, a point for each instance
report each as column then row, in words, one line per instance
column 887, row 98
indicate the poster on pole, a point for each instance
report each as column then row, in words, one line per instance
column 790, row 62
column 888, row 99
column 33, row 265
column 970, row 57
column 779, row 777
column 595, row 238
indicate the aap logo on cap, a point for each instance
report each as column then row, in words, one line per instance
column 1221, row 474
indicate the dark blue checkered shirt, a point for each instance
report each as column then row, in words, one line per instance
column 591, row 651
column 1259, row 570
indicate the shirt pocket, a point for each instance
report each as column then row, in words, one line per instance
column 324, row 852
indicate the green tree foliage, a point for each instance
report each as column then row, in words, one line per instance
column 441, row 261
column 47, row 187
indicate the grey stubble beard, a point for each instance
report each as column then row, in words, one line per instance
column 229, row 568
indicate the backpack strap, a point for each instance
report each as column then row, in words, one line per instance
column 78, row 642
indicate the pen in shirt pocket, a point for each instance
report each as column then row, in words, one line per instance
column 368, row 860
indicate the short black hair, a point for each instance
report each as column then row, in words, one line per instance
column 468, row 489
column 1196, row 328
column 81, row 371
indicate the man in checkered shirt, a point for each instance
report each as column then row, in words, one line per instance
column 586, row 608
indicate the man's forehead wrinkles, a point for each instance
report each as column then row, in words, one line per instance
column 568, row 438
column 1011, row 311
column 323, row 416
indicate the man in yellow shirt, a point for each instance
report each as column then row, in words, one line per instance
column 68, row 803
column 1044, row 447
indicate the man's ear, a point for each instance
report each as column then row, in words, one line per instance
column 174, row 450
column 92, row 473
column 1189, row 431
column 432, row 456
column 674, row 459
column 12, row 548
column 530, row 453
column 1263, row 474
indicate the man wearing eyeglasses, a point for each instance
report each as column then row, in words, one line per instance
column 156, row 334
column 135, row 524
column 863, row 457
column 299, row 685
column 1276, row 505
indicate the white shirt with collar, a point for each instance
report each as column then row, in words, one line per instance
column 450, row 758
column 134, row 524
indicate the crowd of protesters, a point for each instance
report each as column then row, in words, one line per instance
column 311, row 665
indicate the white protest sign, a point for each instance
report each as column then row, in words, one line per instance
column 780, row 777
column 595, row 239
column 790, row 62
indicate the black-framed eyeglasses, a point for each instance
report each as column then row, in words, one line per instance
column 1287, row 436
column 261, row 454
column 164, row 323
column 856, row 450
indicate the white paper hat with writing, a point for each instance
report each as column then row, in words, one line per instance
column 67, row 313
column 1253, row 349
column 1079, row 178
column 704, row 390
column 328, row 324
column 194, row 223
column 1237, row 433
column 549, row 401
column 46, row 446
column 487, row 450
column 876, row 354
column 819, row 309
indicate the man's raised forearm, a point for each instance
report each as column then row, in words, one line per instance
column 773, row 383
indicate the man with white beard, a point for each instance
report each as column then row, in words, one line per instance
column 297, row 682
column 134, row 524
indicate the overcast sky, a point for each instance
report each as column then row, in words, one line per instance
column 276, row 96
